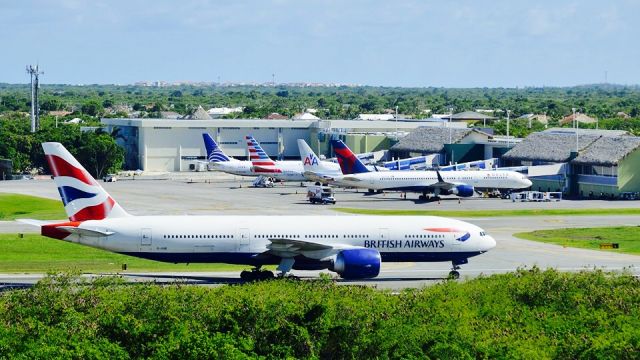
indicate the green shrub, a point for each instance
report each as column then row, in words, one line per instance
column 526, row 314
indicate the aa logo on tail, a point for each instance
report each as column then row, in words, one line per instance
column 311, row 160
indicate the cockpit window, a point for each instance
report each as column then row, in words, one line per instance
column 482, row 233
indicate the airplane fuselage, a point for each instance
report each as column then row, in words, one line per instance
column 245, row 239
column 420, row 181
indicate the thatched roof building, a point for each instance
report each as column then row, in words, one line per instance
column 608, row 151
column 546, row 147
column 595, row 147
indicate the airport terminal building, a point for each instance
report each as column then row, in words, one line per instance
column 161, row 145
column 605, row 165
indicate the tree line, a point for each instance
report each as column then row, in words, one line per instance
column 96, row 150
column 604, row 101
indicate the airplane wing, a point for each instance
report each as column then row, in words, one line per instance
column 441, row 184
column 290, row 248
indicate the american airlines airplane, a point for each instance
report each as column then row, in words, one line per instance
column 351, row 246
column 286, row 170
column 460, row 183
column 314, row 168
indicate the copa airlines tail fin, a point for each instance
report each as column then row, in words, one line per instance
column 214, row 153
column 349, row 162
column 83, row 198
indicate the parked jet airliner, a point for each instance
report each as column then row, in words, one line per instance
column 314, row 168
column 221, row 162
column 287, row 170
column 352, row 246
column 460, row 183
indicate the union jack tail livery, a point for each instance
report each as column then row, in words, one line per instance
column 214, row 153
column 83, row 198
column 349, row 162
column 261, row 162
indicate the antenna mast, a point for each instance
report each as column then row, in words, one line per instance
column 34, row 72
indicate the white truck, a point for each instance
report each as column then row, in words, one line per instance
column 320, row 194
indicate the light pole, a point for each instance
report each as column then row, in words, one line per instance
column 450, row 118
column 508, row 139
column 396, row 122
column 575, row 119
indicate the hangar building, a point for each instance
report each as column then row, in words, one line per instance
column 173, row 145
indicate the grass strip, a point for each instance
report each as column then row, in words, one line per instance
column 627, row 237
column 38, row 254
column 16, row 206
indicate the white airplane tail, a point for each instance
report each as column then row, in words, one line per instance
column 314, row 168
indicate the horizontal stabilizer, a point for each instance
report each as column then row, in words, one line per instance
column 351, row 178
column 39, row 223
column 313, row 176
column 85, row 232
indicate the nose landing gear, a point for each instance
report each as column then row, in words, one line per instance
column 455, row 266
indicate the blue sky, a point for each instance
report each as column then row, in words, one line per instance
column 391, row 43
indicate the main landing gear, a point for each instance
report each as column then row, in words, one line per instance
column 256, row 274
column 455, row 266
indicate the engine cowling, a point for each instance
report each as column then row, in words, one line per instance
column 463, row 190
column 357, row 263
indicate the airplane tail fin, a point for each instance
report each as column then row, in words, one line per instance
column 83, row 198
column 214, row 153
column 349, row 162
column 258, row 156
column 310, row 160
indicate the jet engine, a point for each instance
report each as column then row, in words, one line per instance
column 462, row 190
column 357, row 263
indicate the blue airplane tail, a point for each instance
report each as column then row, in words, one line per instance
column 349, row 162
column 214, row 153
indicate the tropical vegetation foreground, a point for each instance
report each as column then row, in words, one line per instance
column 529, row 314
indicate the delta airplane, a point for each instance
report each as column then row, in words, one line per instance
column 351, row 246
column 460, row 183
column 221, row 162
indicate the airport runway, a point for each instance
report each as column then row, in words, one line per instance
column 222, row 194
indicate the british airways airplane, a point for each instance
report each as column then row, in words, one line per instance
column 352, row 246
column 459, row 183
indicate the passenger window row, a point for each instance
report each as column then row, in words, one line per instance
column 197, row 236
column 423, row 236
